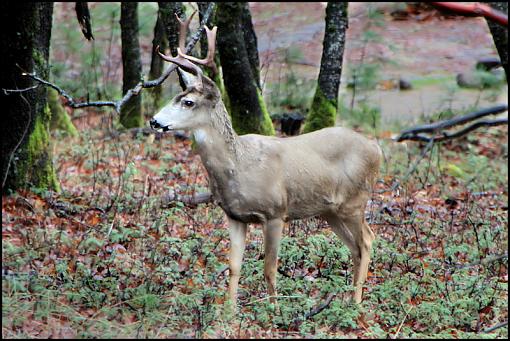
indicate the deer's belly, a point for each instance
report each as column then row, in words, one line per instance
column 251, row 208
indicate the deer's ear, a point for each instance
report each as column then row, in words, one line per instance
column 188, row 78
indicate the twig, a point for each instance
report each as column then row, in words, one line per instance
column 117, row 105
column 413, row 167
column 402, row 323
column 493, row 328
column 269, row 297
column 9, row 91
column 321, row 307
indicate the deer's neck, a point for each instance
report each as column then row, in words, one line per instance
column 218, row 144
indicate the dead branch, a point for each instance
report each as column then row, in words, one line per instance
column 187, row 200
column 117, row 105
column 83, row 16
column 499, row 325
column 297, row 321
column 436, row 129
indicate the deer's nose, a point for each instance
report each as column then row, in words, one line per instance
column 154, row 124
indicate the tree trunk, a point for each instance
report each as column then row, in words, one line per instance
column 26, row 156
column 247, row 107
column 59, row 118
column 168, row 10
column 500, row 35
column 250, row 40
column 131, row 115
column 202, row 8
column 216, row 77
column 156, row 61
column 324, row 106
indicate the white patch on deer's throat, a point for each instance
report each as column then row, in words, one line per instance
column 200, row 135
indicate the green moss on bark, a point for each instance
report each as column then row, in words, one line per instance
column 37, row 166
column 266, row 122
column 59, row 117
column 251, row 124
column 322, row 113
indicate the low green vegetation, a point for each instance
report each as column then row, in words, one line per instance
column 105, row 259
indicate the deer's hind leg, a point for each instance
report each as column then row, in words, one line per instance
column 357, row 235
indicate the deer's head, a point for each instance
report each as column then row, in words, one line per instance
column 191, row 108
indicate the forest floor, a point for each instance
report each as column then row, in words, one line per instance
column 105, row 258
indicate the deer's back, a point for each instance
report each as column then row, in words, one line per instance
column 317, row 171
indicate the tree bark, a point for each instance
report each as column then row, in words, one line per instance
column 26, row 156
column 157, row 65
column 324, row 106
column 250, row 40
column 209, row 72
column 59, row 118
column 500, row 35
column 168, row 11
column 202, row 7
column 131, row 114
column 247, row 107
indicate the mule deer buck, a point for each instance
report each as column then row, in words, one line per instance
column 270, row 180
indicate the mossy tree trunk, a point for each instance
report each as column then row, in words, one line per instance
column 59, row 118
column 157, row 66
column 131, row 115
column 324, row 105
column 247, row 107
column 26, row 156
column 500, row 35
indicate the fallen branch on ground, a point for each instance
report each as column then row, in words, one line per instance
column 436, row 129
column 187, row 200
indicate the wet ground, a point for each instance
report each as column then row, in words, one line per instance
column 426, row 48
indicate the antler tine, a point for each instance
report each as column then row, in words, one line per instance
column 183, row 30
column 181, row 62
column 211, row 48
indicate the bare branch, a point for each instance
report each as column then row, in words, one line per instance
column 132, row 92
column 435, row 129
column 187, row 200
column 499, row 325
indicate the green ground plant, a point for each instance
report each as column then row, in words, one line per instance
column 105, row 258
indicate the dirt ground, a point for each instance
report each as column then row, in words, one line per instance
column 423, row 46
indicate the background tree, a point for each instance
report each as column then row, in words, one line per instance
column 131, row 114
column 250, row 41
column 500, row 35
column 157, row 66
column 168, row 10
column 26, row 156
column 247, row 107
column 325, row 101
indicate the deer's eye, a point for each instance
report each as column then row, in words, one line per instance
column 187, row 103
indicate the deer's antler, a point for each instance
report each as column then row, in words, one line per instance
column 185, row 61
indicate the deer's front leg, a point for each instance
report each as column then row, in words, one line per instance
column 272, row 237
column 237, row 232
